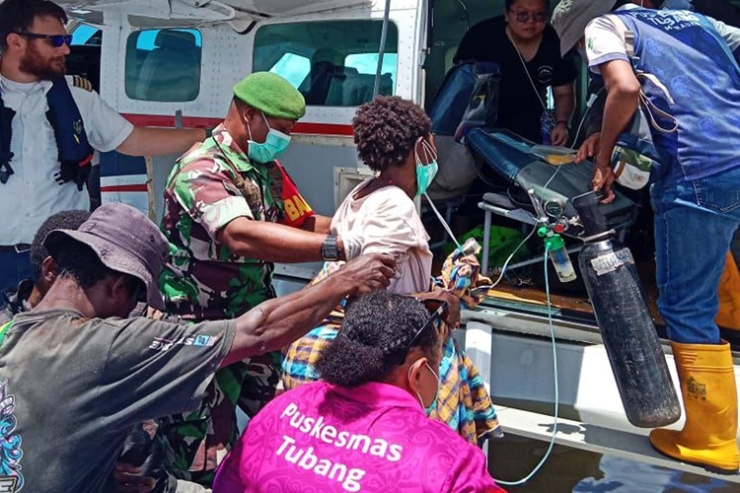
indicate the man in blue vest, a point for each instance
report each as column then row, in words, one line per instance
column 721, row 10
column 694, row 194
column 49, row 127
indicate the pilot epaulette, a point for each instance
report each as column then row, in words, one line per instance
column 82, row 83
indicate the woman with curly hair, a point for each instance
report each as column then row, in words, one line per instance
column 394, row 139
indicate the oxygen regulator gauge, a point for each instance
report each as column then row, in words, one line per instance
column 554, row 208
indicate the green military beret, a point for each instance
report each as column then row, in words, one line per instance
column 272, row 95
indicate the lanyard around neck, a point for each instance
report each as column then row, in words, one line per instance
column 526, row 71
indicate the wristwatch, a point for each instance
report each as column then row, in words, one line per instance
column 330, row 249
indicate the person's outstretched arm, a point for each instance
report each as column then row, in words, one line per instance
column 276, row 323
column 145, row 141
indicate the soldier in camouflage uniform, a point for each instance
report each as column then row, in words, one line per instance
column 225, row 221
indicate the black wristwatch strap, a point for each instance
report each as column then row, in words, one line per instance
column 330, row 248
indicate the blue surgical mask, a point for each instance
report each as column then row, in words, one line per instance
column 275, row 144
column 433, row 405
column 425, row 173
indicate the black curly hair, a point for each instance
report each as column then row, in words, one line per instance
column 61, row 220
column 375, row 338
column 386, row 130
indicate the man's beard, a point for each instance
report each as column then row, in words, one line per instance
column 32, row 63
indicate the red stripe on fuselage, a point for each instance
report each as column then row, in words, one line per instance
column 124, row 188
column 305, row 128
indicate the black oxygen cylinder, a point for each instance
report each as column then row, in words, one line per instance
column 637, row 360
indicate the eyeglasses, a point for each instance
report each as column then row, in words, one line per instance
column 56, row 40
column 524, row 16
column 437, row 310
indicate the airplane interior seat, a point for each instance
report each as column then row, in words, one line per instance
column 457, row 167
column 171, row 71
column 337, row 83
column 319, row 81
column 358, row 88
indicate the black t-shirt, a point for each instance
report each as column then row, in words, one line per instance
column 519, row 107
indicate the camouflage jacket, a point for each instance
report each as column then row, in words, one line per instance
column 211, row 185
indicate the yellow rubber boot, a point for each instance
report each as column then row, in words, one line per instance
column 729, row 296
column 709, row 437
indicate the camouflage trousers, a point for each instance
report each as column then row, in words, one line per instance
column 198, row 441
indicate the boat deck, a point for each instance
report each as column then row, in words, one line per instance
column 598, row 439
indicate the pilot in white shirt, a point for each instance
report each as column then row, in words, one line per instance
column 34, row 46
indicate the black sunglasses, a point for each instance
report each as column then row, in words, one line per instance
column 437, row 311
column 523, row 16
column 56, row 40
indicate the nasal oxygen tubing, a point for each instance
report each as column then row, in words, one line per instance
column 556, row 387
column 613, row 285
column 550, row 325
column 447, row 228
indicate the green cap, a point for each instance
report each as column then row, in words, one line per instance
column 272, row 95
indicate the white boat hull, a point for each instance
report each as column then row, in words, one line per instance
column 518, row 368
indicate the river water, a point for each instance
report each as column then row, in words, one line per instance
column 572, row 470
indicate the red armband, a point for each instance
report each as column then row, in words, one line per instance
column 296, row 208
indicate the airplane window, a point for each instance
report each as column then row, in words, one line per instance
column 85, row 34
column 163, row 65
column 293, row 67
column 332, row 63
column 367, row 63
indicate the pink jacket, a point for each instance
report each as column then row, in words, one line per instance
column 374, row 438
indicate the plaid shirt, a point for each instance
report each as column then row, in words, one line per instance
column 463, row 401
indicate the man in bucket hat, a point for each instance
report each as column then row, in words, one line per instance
column 227, row 218
column 76, row 377
column 694, row 193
